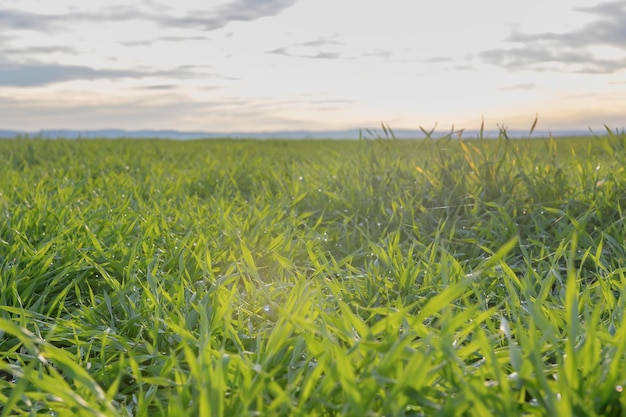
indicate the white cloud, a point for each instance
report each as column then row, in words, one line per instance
column 246, row 64
column 599, row 46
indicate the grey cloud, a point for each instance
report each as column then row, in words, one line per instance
column 380, row 54
column 149, row 42
column 320, row 42
column 571, row 51
column 313, row 49
column 180, row 38
column 159, row 87
column 326, row 55
column 37, row 74
column 143, row 42
column 22, row 20
column 42, row 74
column 437, row 60
column 518, row 87
column 544, row 58
column 279, row 51
column 39, row 50
column 237, row 10
column 609, row 29
column 13, row 19
column 313, row 55
column 465, row 68
column 253, row 9
column 168, row 87
column 327, row 48
column 532, row 54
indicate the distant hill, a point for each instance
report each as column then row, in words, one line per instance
column 296, row 134
column 9, row 134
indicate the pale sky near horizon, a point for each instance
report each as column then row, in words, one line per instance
column 259, row 65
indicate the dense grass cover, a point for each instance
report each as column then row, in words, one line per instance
column 363, row 278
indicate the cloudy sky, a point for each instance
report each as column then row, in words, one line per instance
column 254, row 65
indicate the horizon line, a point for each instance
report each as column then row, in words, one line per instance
column 354, row 133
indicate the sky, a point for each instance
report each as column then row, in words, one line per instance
column 270, row 65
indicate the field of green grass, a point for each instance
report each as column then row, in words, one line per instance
column 313, row 278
